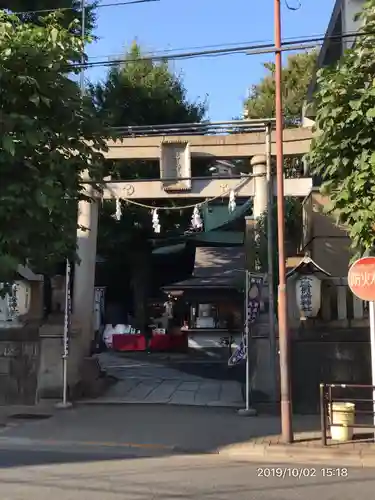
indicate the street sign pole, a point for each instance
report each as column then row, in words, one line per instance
column 372, row 339
column 361, row 281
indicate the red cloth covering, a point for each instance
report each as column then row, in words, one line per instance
column 126, row 342
column 169, row 343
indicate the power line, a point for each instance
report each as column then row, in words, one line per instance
column 199, row 47
column 254, row 49
column 100, row 6
column 204, row 47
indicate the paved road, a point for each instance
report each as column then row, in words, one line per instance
column 184, row 427
column 41, row 475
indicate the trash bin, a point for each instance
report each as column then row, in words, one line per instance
column 342, row 413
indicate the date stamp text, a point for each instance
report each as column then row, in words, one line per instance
column 301, row 472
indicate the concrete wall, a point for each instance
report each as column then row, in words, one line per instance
column 349, row 10
column 331, row 356
column 262, row 380
column 326, row 242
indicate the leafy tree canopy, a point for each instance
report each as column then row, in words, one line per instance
column 296, row 77
column 43, row 150
column 70, row 11
column 140, row 91
column 343, row 152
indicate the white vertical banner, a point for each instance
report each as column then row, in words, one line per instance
column 67, row 327
column 68, row 309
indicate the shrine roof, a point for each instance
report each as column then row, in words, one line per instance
column 215, row 267
column 307, row 266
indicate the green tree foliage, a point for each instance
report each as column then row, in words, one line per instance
column 142, row 92
column 296, row 77
column 70, row 11
column 343, row 151
column 139, row 92
column 45, row 127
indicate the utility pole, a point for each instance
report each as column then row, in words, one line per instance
column 270, row 267
column 83, row 34
column 285, row 390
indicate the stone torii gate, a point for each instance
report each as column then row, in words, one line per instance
column 175, row 146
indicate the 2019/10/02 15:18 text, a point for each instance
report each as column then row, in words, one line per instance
column 301, row 472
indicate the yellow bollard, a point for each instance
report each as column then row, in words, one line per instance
column 342, row 413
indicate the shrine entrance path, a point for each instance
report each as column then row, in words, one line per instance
column 179, row 381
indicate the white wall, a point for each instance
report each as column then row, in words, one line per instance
column 349, row 10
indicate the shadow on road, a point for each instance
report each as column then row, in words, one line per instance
column 105, row 432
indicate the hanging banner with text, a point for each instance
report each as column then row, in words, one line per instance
column 253, row 294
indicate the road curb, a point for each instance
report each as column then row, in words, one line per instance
column 297, row 454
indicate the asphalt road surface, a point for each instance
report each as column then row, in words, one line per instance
column 97, row 475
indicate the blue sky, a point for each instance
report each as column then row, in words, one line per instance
column 185, row 24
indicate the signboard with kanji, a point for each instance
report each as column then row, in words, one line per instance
column 361, row 278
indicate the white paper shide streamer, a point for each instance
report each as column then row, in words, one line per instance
column 155, row 221
column 196, row 220
column 118, row 212
column 232, row 202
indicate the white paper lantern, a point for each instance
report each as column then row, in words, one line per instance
column 308, row 295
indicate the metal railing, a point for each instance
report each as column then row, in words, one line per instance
column 363, row 410
column 201, row 128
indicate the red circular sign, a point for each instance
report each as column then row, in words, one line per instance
column 361, row 278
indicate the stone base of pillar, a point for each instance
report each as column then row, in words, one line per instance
column 85, row 378
column 50, row 377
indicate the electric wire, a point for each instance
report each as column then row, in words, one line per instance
column 214, row 46
column 255, row 49
column 99, row 6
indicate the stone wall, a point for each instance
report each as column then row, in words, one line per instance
column 19, row 365
column 328, row 356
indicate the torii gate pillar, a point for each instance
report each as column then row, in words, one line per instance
column 84, row 272
column 263, row 357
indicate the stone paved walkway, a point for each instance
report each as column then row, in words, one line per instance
column 153, row 383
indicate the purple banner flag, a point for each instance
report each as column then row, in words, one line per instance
column 253, row 294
